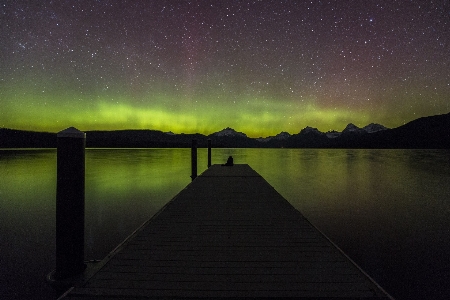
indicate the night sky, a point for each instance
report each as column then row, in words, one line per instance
column 260, row 67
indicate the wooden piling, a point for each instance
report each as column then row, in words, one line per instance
column 70, row 203
column 209, row 153
column 194, row 159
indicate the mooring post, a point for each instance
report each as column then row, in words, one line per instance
column 70, row 203
column 194, row 159
column 209, row 153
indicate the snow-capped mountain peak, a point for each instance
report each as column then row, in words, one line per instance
column 372, row 127
column 230, row 132
column 282, row 135
column 351, row 128
column 332, row 134
column 308, row 129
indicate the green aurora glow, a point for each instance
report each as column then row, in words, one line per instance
column 202, row 76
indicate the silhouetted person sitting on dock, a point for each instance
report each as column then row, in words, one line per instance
column 229, row 161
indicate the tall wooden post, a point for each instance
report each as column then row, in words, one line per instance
column 209, row 153
column 70, row 203
column 194, row 159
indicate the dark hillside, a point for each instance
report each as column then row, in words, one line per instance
column 12, row 138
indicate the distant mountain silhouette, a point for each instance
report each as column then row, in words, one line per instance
column 229, row 132
column 139, row 139
column 12, row 138
column 428, row 133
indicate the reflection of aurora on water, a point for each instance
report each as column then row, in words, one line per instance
column 195, row 66
column 386, row 209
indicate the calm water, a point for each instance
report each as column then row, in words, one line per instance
column 389, row 210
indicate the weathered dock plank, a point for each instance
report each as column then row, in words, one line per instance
column 228, row 234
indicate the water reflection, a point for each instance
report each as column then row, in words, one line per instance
column 27, row 187
column 387, row 209
column 136, row 183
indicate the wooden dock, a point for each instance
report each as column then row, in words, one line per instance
column 227, row 234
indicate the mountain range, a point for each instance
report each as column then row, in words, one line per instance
column 431, row 132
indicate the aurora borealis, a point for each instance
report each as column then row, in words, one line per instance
column 260, row 67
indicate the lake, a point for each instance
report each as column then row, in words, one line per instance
column 389, row 210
